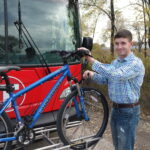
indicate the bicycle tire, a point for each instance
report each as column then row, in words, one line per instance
column 63, row 125
column 5, row 130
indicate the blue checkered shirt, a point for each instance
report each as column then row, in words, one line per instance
column 124, row 78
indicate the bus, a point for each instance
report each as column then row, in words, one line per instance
column 29, row 31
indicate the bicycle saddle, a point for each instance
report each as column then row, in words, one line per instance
column 8, row 68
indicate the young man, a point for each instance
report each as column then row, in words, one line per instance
column 124, row 77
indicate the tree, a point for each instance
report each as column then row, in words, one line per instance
column 99, row 7
column 146, row 6
column 94, row 9
column 112, row 26
column 90, row 14
column 145, row 30
column 143, row 7
column 119, row 24
column 140, row 37
column 146, row 17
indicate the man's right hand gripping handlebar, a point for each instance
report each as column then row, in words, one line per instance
column 87, row 74
column 87, row 54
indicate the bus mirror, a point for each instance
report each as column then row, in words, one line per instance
column 87, row 43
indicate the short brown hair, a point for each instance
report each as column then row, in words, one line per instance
column 123, row 34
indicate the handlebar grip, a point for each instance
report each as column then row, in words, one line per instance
column 82, row 53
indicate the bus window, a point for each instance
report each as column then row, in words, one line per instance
column 50, row 24
column 2, row 39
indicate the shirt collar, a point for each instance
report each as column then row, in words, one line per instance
column 131, row 55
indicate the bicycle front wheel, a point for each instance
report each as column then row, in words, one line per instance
column 75, row 130
column 5, row 130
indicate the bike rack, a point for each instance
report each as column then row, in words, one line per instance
column 55, row 143
column 67, row 147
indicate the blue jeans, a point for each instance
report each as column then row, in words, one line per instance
column 123, row 123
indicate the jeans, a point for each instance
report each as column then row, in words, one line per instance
column 124, row 123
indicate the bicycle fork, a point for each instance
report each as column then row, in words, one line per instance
column 83, row 112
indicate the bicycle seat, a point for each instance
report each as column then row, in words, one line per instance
column 8, row 68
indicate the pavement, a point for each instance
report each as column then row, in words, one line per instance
column 142, row 139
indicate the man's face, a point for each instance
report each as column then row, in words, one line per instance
column 122, row 46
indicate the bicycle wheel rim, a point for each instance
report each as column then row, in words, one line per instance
column 4, row 131
column 85, row 130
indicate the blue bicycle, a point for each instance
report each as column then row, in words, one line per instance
column 83, row 114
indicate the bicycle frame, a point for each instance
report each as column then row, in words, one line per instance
column 65, row 72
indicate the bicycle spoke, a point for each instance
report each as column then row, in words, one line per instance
column 85, row 130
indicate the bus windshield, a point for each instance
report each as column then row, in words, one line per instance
column 37, row 27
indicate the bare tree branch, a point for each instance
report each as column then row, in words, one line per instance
column 104, row 11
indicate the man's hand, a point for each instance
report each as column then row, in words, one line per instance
column 89, row 59
column 88, row 74
column 83, row 48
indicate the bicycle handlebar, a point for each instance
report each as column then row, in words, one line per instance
column 66, row 55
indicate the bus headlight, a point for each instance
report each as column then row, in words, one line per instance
column 65, row 93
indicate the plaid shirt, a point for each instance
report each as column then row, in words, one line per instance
column 123, row 76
